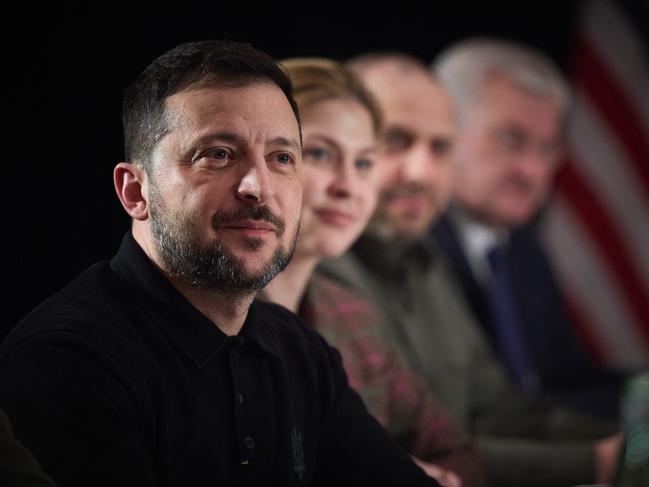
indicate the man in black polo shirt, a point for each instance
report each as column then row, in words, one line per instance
column 157, row 368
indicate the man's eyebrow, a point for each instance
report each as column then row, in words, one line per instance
column 396, row 129
column 286, row 142
column 218, row 137
column 235, row 138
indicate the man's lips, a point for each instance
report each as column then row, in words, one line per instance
column 252, row 227
column 334, row 217
column 411, row 203
column 255, row 220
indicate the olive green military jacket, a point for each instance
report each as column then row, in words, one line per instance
column 426, row 319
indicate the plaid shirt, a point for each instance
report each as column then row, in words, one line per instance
column 400, row 400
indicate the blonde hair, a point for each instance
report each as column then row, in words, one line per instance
column 318, row 79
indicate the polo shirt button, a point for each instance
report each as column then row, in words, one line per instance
column 239, row 398
column 249, row 442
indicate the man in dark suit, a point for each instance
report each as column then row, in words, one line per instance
column 511, row 104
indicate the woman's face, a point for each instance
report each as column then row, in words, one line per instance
column 339, row 176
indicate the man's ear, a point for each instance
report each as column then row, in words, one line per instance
column 129, row 179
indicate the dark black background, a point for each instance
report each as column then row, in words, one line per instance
column 65, row 72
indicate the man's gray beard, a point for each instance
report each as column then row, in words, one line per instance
column 214, row 268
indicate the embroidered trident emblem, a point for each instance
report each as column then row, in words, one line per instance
column 298, row 453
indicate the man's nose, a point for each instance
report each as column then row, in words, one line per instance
column 255, row 185
column 417, row 164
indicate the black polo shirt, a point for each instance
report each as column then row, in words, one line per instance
column 118, row 380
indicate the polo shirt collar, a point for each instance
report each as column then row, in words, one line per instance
column 192, row 331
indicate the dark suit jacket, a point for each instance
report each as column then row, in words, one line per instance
column 567, row 372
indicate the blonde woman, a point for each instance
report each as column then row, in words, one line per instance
column 340, row 122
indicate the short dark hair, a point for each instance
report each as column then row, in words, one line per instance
column 224, row 63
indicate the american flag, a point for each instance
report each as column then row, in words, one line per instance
column 597, row 225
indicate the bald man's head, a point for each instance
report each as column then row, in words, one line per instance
column 415, row 144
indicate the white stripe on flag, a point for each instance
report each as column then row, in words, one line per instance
column 622, row 50
column 603, row 164
column 586, row 278
column 605, row 161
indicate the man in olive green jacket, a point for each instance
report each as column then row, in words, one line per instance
column 400, row 270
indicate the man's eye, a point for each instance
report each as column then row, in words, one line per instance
column 284, row 158
column 219, row 154
column 441, row 147
column 317, row 154
column 214, row 157
column 512, row 140
column 395, row 141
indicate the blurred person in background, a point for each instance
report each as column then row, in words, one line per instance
column 511, row 103
column 400, row 268
column 340, row 122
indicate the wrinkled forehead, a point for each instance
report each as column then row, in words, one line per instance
column 252, row 116
column 209, row 97
column 257, row 105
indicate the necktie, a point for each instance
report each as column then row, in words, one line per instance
column 507, row 327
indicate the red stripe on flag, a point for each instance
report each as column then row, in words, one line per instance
column 594, row 77
column 604, row 234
